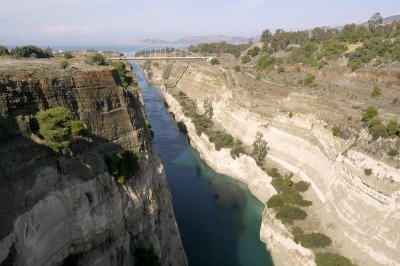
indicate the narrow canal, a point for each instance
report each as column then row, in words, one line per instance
column 218, row 217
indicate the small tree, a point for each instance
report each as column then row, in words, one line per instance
column 55, row 127
column 376, row 91
column 260, row 148
column 209, row 112
column 67, row 55
column 99, row 59
column 214, row 61
column 374, row 22
column 368, row 113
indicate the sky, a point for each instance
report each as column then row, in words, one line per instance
column 108, row 22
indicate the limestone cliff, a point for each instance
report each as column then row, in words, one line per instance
column 359, row 212
column 66, row 208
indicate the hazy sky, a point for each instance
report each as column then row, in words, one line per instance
column 52, row 22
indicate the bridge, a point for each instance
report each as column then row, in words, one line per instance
column 161, row 53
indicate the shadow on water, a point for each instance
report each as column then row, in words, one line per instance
column 218, row 217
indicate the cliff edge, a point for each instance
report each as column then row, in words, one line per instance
column 65, row 208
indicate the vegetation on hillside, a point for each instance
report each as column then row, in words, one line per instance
column 126, row 79
column 219, row 48
column 380, row 42
column 31, row 51
column 375, row 124
column 4, row 50
column 204, row 124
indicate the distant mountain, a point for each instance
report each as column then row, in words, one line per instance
column 145, row 41
column 391, row 19
column 213, row 39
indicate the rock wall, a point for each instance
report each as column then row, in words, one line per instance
column 283, row 249
column 359, row 212
column 66, row 208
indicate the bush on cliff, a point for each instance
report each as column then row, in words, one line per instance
column 55, row 127
column 313, row 240
column 331, row 259
column 98, row 59
column 126, row 79
column 122, row 164
column 146, row 257
column 78, row 128
column 287, row 214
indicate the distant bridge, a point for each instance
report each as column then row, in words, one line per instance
column 161, row 53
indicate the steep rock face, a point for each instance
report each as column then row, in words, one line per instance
column 359, row 212
column 283, row 249
column 66, row 208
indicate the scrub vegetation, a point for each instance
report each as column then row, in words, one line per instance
column 57, row 127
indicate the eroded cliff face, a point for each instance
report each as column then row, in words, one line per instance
column 66, row 208
column 359, row 212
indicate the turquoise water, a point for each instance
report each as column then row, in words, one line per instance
column 218, row 218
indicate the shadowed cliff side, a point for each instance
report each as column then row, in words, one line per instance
column 65, row 208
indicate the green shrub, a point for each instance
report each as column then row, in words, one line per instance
column 221, row 139
column 393, row 127
column 376, row 91
column 336, row 131
column 297, row 233
column 273, row 172
column 393, row 152
column 214, row 61
column 99, row 59
column 301, row 186
column 280, row 69
column 78, row 128
column 331, row 259
column 64, row 64
column 290, row 114
column 246, row 59
column 288, row 213
column 201, row 123
column 126, row 79
column 122, row 164
column 309, row 80
column 67, row 55
column 266, row 62
column 275, row 202
column 55, row 127
column 121, row 180
column 395, row 100
column 332, row 48
column 237, row 149
column 4, row 50
column 253, row 51
column 368, row 113
column 237, row 68
column 315, row 240
column 367, row 171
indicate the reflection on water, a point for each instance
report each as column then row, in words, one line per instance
column 218, row 218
